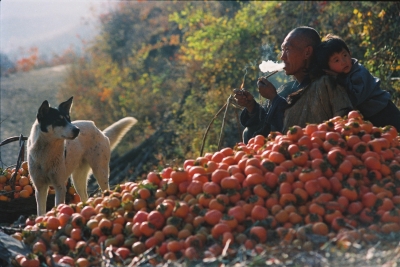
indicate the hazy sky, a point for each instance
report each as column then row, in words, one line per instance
column 27, row 23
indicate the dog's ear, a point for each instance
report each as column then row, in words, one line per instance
column 65, row 107
column 43, row 110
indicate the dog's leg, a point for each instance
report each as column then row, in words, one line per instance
column 101, row 175
column 79, row 178
column 61, row 190
column 99, row 164
column 41, row 198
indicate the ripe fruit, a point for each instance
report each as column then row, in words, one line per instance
column 338, row 179
column 52, row 223
column 178, row 176
column 258, row 233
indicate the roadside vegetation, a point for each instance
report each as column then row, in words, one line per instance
column 174, row 66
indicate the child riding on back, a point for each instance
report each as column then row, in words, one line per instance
column 333, row 57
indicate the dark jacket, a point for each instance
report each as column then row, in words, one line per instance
column 364, row 90
column 269, row 117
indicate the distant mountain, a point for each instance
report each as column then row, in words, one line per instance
column 58, row 43
column 55, row 42
column 51, row 27
column 5, row 64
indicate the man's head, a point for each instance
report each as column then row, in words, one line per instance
column 334, row 54
column 298, row 50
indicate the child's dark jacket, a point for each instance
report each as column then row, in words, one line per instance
column 364, row 90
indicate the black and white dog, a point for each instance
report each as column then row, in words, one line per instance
column 58, row 148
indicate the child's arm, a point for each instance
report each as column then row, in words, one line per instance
column 361, row 85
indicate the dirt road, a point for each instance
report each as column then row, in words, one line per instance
column 21, row 94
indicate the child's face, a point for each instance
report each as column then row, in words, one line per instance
column 340, row 62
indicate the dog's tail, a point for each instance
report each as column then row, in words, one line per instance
column 118, row 129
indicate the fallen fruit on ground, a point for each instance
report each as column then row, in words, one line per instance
column 337, row 182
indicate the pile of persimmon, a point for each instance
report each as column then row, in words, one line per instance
column 338, row 180
column 21, row 185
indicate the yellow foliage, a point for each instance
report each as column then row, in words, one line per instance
column 106, row 93
column 381, row 14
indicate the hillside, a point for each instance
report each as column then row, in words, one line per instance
column 21, row 96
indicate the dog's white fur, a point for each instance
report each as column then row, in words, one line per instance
column 54, row 155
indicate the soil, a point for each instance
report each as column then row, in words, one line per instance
column 21, row 95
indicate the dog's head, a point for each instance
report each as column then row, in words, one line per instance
column 57, row 120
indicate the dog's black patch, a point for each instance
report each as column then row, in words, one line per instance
column 65, row 107
column 49, row 116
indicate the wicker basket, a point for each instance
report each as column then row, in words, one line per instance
column 11, row 210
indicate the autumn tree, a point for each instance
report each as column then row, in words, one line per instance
column 29, row 61
column 131, row 70
column 173, row 65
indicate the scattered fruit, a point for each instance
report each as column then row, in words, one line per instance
column 338, row 180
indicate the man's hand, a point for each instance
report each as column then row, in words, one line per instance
column 244, row 98
column 266, row 89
